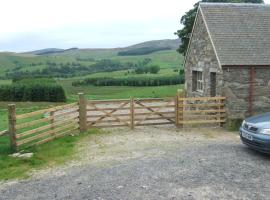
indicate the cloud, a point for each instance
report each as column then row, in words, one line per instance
column 32, row 24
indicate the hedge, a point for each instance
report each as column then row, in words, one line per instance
column 132, row 81
column 32, row 91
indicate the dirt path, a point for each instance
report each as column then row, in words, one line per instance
column 154, row 163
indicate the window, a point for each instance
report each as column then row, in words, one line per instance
column 197, row 81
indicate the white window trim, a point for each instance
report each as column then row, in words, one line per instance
column 199, row 82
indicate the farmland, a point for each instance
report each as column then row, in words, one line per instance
column 169, row 62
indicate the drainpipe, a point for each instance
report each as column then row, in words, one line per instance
column 251, row 90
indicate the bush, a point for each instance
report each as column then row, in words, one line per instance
column 154, row 69
column 182, row 71
column 133, row 81
column 32, row 90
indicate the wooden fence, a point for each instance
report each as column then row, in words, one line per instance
column 45, row 125
column 41, row 126
column 200, row 110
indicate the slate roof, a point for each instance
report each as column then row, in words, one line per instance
column 240, row 32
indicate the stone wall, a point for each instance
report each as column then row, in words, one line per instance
column 201, row 57
column 236, row 89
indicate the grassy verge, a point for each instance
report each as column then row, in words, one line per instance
column 53, row 153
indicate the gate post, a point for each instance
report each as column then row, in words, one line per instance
column 82, row 112
column 179, row 109
column 132, row 113
column 12, row 126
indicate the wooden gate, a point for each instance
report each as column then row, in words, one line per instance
column 109, row 113
column 154, row 111
column 130, row 112
column 157, row 111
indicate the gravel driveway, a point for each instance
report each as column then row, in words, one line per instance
column 153, row 163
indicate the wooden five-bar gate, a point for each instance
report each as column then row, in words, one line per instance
column 45, row 125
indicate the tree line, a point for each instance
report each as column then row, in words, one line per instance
column 131, row 81
column 71, row 69
column 33, row 90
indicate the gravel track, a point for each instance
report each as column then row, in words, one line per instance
column 154, row 163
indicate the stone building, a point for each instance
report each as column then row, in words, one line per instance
column 229, row 55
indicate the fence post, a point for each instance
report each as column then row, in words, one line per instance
column 132, row 113
column 12, row 126
column 82, row 113
column 179, row 109
column 52, row 122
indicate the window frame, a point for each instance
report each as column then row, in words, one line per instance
column 197, row 81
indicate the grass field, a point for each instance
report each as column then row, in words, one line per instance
column 56, row 152
column 9, row 61
column 118, row 92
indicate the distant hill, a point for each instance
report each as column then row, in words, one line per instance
column 161, row 52
column 168, row 43
column 49, row 51
column 150, row 47
column 137, row 49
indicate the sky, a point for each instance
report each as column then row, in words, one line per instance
column 36, row 24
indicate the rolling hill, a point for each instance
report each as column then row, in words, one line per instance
column 40, row 59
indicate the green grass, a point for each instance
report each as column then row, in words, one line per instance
column 53, row 153
column 118, row 92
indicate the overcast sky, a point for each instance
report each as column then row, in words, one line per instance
column 36, row 24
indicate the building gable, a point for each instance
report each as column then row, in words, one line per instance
column 200, row 56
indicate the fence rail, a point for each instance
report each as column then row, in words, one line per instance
column 201, row 110
column 4, row 132
column 41, row 126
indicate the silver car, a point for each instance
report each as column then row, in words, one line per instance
column 255, row 132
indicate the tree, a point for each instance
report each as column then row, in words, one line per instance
column 154, row 69
column 188, row 20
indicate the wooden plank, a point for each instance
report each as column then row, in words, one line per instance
column 5, row 132
column 202, row 105
column 155, row 113
column 110, row 101
column 191, row 117
column 203, row 111
column 201, row 121
column 12, row 126
column 127, row 114
column 132, row 112
column 107, row 126
column 41, row 135
column 31, row 114
column 117, row 115
column 179, row 108
column 154, row 118
column 38, row 121
column 127, row 108
column 106, row 109
column 144, row 100
column 42, row 128
column 159, row 123
column 109, row 120
column 82, row 113
column 201, row 98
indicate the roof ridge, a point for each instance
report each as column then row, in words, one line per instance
column 235, row 4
